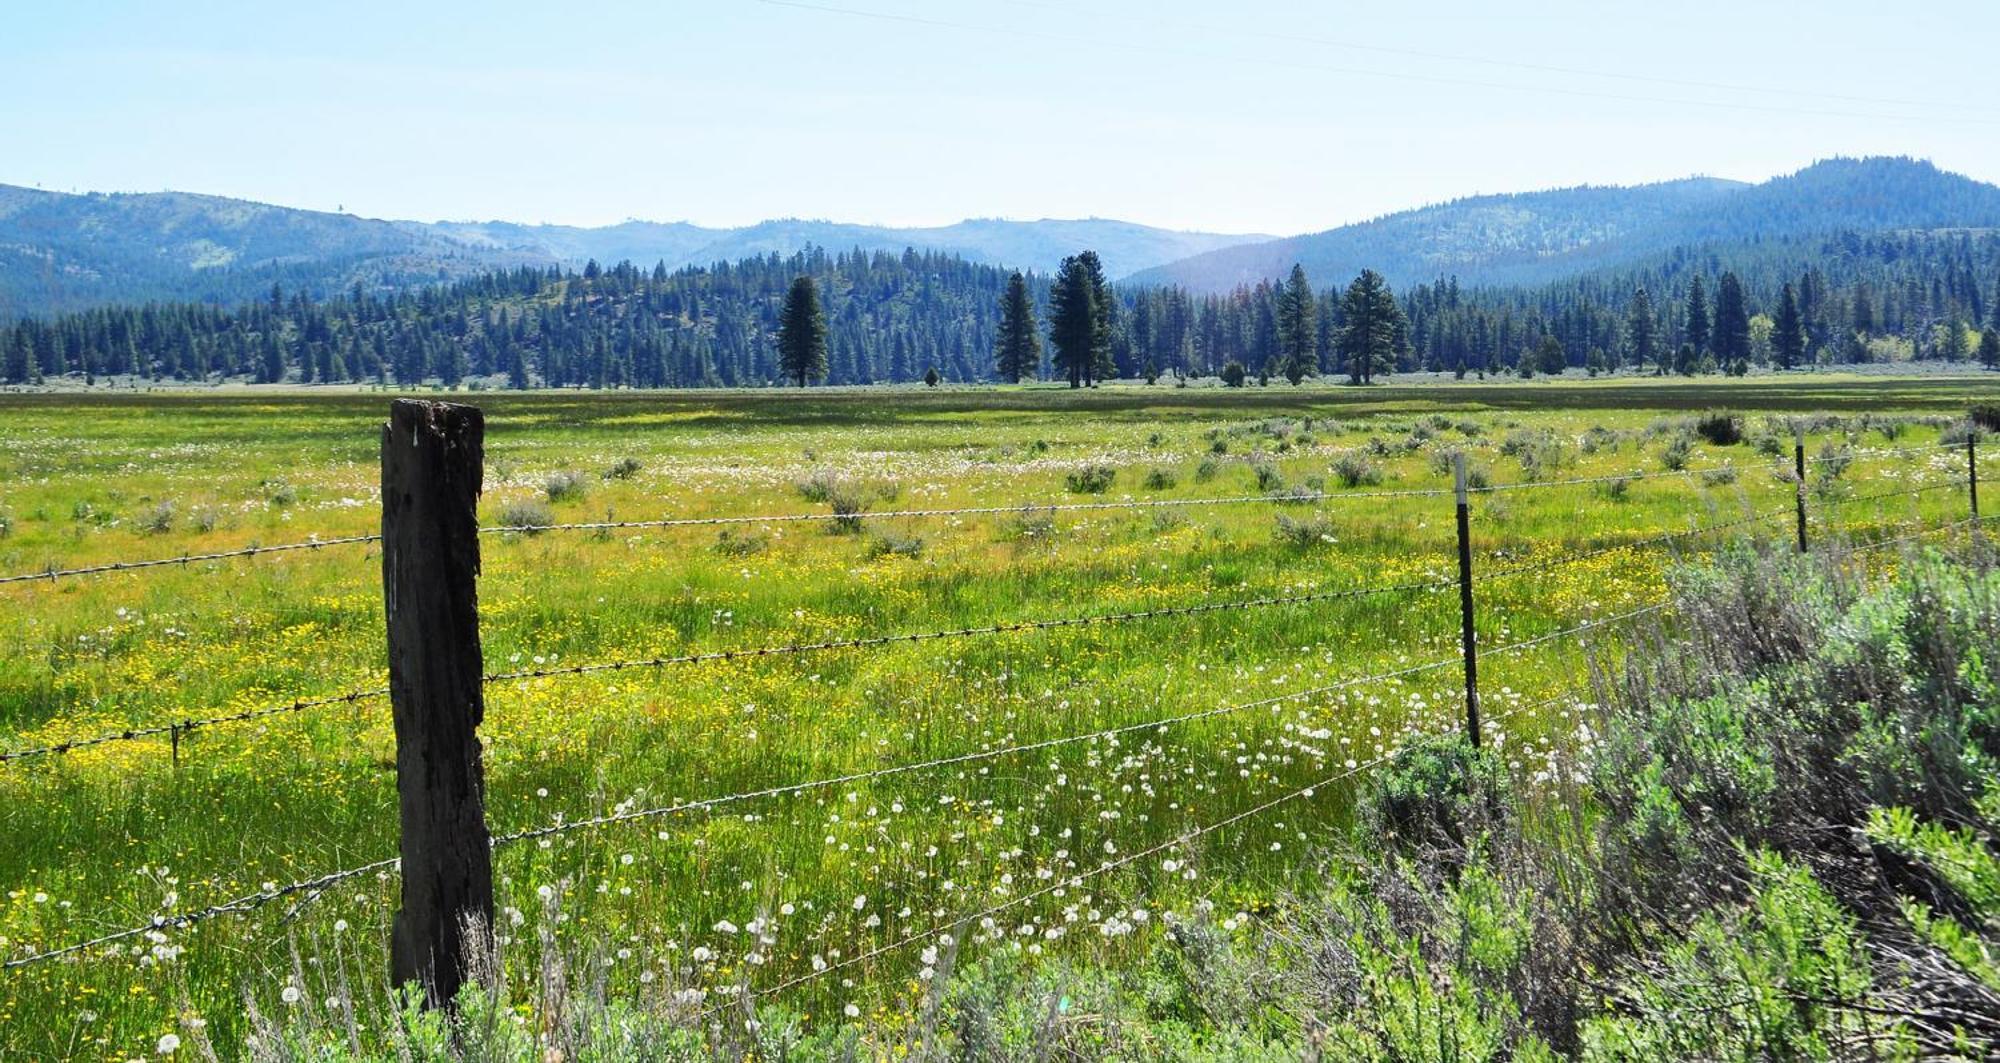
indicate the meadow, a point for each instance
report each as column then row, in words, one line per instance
column 816, row 890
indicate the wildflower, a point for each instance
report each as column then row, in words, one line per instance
column 169, row 1044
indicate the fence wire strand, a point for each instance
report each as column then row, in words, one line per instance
column 51, row 575
column 319, row 884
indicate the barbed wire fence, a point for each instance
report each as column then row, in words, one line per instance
column 305, row 890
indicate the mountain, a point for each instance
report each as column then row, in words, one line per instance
column 66, row 252
column 1537, row 237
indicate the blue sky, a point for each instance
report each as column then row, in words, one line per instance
column 1255, row 115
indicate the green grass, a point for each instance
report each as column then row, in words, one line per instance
column 98, row 839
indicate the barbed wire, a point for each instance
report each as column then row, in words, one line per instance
column 51, row 575
column 189, row 726
column 247, row 903
column 1077, row 880
column 1898, row 493
column 321, row 883
column 1574, row 556
column 968, row 632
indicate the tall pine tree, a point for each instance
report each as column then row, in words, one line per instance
column 1371, row 323
column 1732, row 325
column 1298, row 326
column 802, row 333
column 1018, row 352
column 1788, row 332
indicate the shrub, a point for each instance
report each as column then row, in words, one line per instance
column 895, row 546
column 1720, row 428
column 1160, row 480
column 1220, row 446
column 1206, row 471
column 1232, row 373
column 1269, row 478
column 1616, row 489
column 527, row 515
column 1986, row 415
column 158, row 520
column 623, row 469
column 1305, row 532
column 281, row 494
column 1356, row 470
column 1721, row 477
column 1090, row 480
column 1675, row 457
column 1437, row 795
column 731, row 543
column 6, row 524
column 566, row 486
column 1029, row 525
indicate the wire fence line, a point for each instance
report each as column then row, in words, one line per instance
column 1282, row 498
column 1076, row 881
column 189, row 726
column 319, row 884
column 53, row 574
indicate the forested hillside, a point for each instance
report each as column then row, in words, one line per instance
column 1540, row 237
column 1853, row 298
column 70, row 252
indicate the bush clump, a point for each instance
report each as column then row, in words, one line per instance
column 1354, row 469
column 1090, row 480
column 1719, row 428
column 1161, row 480
column 566, row 486
column 623, row 469
column 528, row 516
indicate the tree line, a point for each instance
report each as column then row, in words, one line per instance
column 868, row 317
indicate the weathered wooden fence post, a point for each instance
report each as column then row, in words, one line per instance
column 1465, row 598
column 431, row 477
column 1799, row 470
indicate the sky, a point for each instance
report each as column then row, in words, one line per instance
column 1273, row 116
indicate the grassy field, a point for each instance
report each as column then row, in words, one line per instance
column 108, row 837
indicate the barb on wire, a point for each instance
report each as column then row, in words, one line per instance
column 1076, row 880
column 54, row 574
column 188, row 726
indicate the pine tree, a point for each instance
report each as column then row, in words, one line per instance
column 1697, row 317
column 1298, row 326
column 1073, row 320
column 1732, row 325
column 1018, row 352
column 1989, row 348
column 1788, row 334
column 1371, row 322
column 1642, row 332
column 802, row 333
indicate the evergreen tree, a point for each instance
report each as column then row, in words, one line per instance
column 802, row 333
column 1298, row 326
column 1371, row 322
column 1788, row 334
column 1642, row 332
column 1019, row 348
column 1989, row 348
column 1732, row 325
column 1073, row 320
column 1697, row 317
column 1550, row 357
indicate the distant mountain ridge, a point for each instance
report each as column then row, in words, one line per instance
column 60, row 251
column 1536, row 237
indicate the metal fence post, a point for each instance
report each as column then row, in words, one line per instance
column 1799, row 469
column 432, row 456
column 1972, row 477
column 1465, row 598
